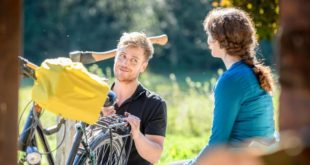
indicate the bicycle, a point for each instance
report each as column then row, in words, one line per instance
column 102, row 143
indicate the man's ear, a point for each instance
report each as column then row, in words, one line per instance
column 144, row 66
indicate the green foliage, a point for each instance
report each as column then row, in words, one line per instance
column 54, row 28
column 264, row 13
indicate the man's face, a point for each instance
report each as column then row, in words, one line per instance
column 129, row 63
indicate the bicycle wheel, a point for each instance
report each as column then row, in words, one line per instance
column 104, row 154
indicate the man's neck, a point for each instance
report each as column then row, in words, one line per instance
column 124, row 90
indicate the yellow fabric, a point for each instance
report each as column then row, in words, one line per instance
column 66, row 88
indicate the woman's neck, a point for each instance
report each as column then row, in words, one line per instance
column 230, row 60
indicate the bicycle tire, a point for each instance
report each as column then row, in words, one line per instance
column 101, row 143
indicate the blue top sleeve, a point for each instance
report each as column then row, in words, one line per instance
column 227, row 96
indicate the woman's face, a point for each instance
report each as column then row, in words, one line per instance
column 214, row 46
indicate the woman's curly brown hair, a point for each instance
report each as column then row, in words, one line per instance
column 235, row 32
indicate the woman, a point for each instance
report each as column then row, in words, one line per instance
column 243, row 103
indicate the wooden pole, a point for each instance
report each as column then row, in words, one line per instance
column 10, row 48
column 294, row 68
column 294, row 65
column 62, row 153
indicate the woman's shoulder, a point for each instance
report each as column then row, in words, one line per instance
column 238, row 77
column 241, row 72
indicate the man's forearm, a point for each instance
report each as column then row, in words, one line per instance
column 148, row 149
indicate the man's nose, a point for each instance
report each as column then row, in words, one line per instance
column 124, row 61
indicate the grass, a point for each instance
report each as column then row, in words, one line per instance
column 179, row 147
column 189, row 104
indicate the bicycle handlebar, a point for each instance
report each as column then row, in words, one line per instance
column 27, row 68
column 53, row 129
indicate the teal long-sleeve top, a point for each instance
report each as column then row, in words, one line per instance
column 242, row 109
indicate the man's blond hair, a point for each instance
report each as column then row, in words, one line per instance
column 137, row 39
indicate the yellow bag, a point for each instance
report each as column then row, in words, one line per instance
column 66, row 88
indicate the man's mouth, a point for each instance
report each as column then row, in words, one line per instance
column 123, row 69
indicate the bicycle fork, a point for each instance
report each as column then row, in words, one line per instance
column 27, row 140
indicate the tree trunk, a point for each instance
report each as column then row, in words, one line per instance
column 10, row 48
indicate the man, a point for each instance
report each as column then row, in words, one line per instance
column 145, row 111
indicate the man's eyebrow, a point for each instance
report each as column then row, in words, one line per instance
column 122, row 52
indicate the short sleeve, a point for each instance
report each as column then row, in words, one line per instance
column 158, row 120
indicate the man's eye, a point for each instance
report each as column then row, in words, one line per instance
column 122, row 56
column 134, row 61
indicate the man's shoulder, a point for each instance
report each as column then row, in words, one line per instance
column 153, row 96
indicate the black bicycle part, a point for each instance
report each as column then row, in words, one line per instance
column 111, row 99
column 76, row 143
column 113, row 133
column 105, row 155
column 26, row 71
column 28, row 137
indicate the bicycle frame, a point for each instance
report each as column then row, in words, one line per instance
column 28, row 138
column 76, row 142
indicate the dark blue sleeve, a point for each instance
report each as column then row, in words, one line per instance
column 227, row 102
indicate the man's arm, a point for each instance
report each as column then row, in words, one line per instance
column 148, row 146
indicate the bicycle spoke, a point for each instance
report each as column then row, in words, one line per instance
column 109, row 150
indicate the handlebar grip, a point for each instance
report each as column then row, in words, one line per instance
column 83, row 57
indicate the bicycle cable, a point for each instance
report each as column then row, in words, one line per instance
column 62, row 140
column 21, row 115
column 35, row 123
column 32, row 124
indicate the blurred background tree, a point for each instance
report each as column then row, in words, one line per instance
column 265, row 14
column 54, row 28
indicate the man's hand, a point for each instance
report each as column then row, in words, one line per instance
column 134, row 122
column 107, row 111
